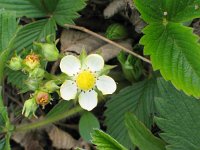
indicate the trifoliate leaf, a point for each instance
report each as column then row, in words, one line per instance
column 173, row 48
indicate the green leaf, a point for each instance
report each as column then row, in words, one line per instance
column 63, row 11
column 66, row 11
column 50, row 4
column 16, row 79
column 3, row 118
column 4, row 127
column 5, row 143
column 105, row 141
column 171, row 10
column 8, row 26
column 151, row 10
column 35, row 31
column 141, row 136
column 174, row 50
column 182, row 11
column 60, row 108
column 139, row 99
column 180, row 118
column 22, row 8
column 87, row 123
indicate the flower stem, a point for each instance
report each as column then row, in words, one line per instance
column 46, row 121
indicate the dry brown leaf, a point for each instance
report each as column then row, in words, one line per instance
column 91, row 45
column 71, row 37
column 109, row 51
column 122, row 7
column 76, row 41
column 135, row 19
column 29, row 140
column 196, row 26
column 61, row 139
column 114, row 7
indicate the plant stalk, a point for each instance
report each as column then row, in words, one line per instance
column 46, row 121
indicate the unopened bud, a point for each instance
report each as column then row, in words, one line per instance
column 37, row 73
column 49, row 51
column 32, row 84
column 29, row 108
column 51, row 86
column 15, row 63
column 116, row 32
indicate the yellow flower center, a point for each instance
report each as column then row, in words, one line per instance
column 85, row 80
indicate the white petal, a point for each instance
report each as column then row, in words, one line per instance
column 94, row 62
column 88, row 100
column 68, row 90
column 70, row 65
column 106, row 84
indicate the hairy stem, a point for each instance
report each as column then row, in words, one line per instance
column 46, row 121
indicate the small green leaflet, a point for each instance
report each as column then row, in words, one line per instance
column 142, row 136
column 87, row 123
column 104, row 141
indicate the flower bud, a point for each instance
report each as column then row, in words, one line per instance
column 42, row 98
column 37, row 73
column 29, row 108
column 15, row 63
column 116, row 32
column 32, row 84
column 51, row 86
column 31, row 62
column 49, row 51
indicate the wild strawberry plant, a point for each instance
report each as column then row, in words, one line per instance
column 166, row 100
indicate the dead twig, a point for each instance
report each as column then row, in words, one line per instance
column 108, row 41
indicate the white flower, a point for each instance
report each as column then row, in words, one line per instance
column 85, row 80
